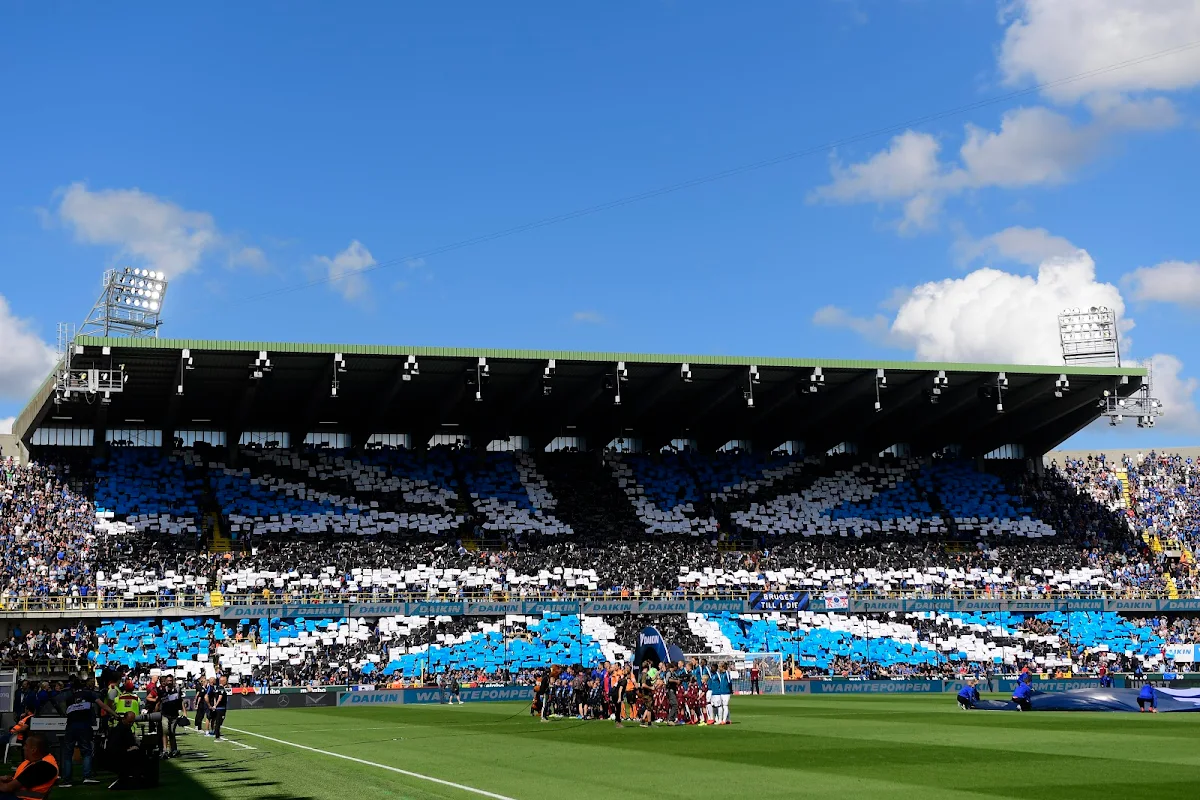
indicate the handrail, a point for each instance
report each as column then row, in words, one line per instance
column 202, row 602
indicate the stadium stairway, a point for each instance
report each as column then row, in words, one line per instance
column 589, row 499
column 1123, row 477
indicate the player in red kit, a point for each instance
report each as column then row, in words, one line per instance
column 755, row 675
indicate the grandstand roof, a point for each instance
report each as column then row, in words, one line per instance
column 657, row 405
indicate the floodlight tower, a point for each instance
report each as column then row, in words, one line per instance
column 128, row 305
column 1089, row 338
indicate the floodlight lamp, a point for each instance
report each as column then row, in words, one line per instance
column 333, row 390
column 754, row 376
column 478, row 396
column 878, row 405
column 1000, row 407
column 617, row 400
column 179, row 389
column 685, row 372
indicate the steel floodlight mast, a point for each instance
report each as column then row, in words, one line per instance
column 129, row 304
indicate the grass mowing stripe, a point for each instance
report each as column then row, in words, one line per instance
column 397, row 770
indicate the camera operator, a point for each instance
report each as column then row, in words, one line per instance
column 172, row 707
column 126, row 754
column 81, row 716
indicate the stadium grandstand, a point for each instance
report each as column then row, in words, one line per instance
column 313, row 515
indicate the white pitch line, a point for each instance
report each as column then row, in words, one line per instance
column 417, row 775
column 239, row 744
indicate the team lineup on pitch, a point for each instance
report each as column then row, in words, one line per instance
column 776, row 747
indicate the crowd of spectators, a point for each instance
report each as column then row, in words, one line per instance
column 54, row 547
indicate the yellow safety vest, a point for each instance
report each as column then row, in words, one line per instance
column 126, row 703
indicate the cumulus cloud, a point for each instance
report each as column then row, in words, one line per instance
column 1044, row 40
column 25, row 360
column 1169, row 282
column 591, row 317
column 140, row 225
column 345, row 270
column 1030, row 246
column 990, row 315
column 1047, row 40
column 6, row 424
column 1033, row 146
column 994, row 316
column 1177, row 393
column 876, row 328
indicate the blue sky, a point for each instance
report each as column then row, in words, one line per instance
column 250, row 150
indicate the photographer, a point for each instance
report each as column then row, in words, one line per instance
column 172, row 706
column 125, row 754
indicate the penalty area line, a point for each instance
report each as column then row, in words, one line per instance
column 397, row 770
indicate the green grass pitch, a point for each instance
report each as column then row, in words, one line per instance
column 805, row 746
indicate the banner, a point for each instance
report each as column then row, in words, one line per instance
column 245, row 702
column 837, row 601
column 405, row 697
column 1182, row 653
column 778, row 601
column 863, row 687
column 756, row 602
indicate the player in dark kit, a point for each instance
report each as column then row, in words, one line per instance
column 755, row 676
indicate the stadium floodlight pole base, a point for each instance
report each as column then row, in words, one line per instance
column 770, row 666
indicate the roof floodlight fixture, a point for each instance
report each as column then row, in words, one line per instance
column 482, row 371
column 410, row 368
column 1001, row 385
column 339, row 366
column 129, row 304
column 880, row 385
column 615, row 380
column 754, row 379
column 261, row 365
column 1089, row 337
column 186, row 362
column 548, row 378
column 685, row 372
column 816, row 381
column 1061, row 386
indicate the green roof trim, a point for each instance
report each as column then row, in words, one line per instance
column 583, row 355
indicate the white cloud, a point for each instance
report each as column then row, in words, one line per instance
column 1169, row 282
column 1177, row 393
column 6, row 424
column 876, row 329
column 1044, row 40
column 590, row 317
column 345, row 270
column 1029, row 246
column 1047, row 40
column 141, row 225
column 1032, row 147
column 252, row 257
column 989, row 315
column 25, row 360
column 992, row 315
